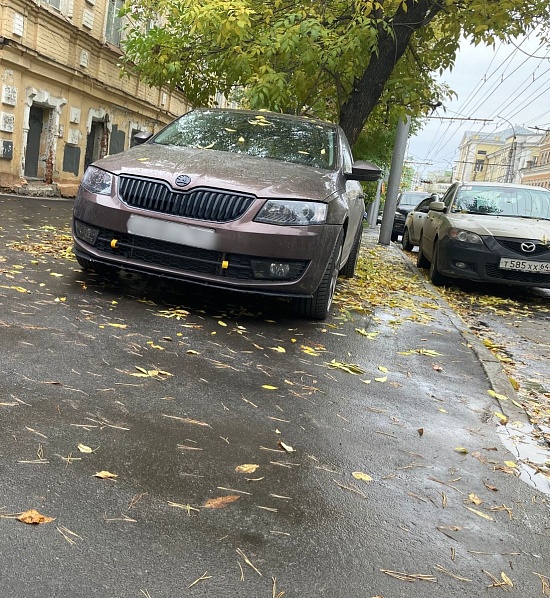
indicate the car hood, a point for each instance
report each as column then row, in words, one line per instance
column 262, row 177
column 502, row 226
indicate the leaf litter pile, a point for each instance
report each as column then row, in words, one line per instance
column 382, row 281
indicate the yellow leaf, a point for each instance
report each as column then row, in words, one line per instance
column 269, row 387
column 221, row 323
column 246, row 468
column 104, row 475
column 383, row 369
column 55, row 274
column 497, row 395
column 118, row 325
column 286, row 447
column 510, row 464
column 279, row 349
column 383, row 379
column 220, row 502
column 84, row 449
column 366, row 381
column 443, row 410
column 474, row 498
column 514, row 383
column 501, row 417
column 192, row 352
column 484, row 515
column 359, row 475
column 34, row 517
column 506, row 579
column 461, row 450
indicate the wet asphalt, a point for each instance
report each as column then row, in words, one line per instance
column 171, row 387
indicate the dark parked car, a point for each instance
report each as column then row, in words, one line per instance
column 488, row 232
column 249, row 201
column 406, row 201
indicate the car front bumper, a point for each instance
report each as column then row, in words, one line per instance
column 238, row 255
column 482, row 262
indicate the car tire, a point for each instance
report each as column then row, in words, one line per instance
column 91, row 266
column 318, row 306
column 348, row 271
column 394, row 236
column 421, row 260
column 436, row 277
column 406, row 242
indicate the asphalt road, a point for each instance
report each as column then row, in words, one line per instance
column 170, row 388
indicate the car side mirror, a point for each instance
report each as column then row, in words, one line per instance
column 363, row 171
column 142, row 137
column 438, row 206
column 434, row 197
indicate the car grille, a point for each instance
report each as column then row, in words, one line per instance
column 493, row 271
column 185, row 258
column 199, row 204
column 515, row 246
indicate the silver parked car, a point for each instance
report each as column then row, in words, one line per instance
column 250, row 201
column 488, row 232
column 414, row 223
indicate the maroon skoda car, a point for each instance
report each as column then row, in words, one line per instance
column 249, row 201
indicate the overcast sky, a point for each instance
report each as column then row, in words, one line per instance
column 511, row 82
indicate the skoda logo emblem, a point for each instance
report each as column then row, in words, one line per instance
column 183, row 180
column 528, row 247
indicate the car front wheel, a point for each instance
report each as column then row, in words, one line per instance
column 318, row 306
column 435, row 275
column 406, row 242
column 421, row 260
column 348, row 271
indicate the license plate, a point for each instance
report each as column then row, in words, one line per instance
column 173, row 232
column 525, row 266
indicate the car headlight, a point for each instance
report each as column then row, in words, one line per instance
column 97, row 181
column 292, row 213
column 465, row 236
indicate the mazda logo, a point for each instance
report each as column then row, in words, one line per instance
column 528, row 247
column 183, row 180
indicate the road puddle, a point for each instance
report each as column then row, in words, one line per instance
column 533, row 458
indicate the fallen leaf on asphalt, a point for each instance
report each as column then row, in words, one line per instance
column 502, row 418
column 34, row 517
column 114, row 325
column 269, row 387
column 480, row 513
column 188, row 420
column 247, row 561
column 286, row 447
column 350, row 368
column 498, row 396
column 279, row 349
column 474, row 499
column 246, row 468
column 359, row 475
column 409, row 576
column 510, row 464
column 203, row 577
column 490, row 487
column 383, row 369
column 383, row 379
column 84, row 449
column 192, row 352
column 221, row 323
column 461, row 450
column 437, row 367
column 104, row 475
column 221, row 502
column 420, row 431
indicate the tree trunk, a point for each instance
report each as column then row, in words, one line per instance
column 368, row 89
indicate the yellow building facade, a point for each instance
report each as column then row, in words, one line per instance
column 537, row 171
column 63, row 102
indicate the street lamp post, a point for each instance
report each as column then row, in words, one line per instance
column 510, row 170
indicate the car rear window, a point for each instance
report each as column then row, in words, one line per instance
column 267, row 136
column 503, row 201
column 412, row 199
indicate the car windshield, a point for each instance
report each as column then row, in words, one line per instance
column 503, row 201
column 411, row 199
column 267, row 136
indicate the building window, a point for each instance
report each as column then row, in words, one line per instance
column 479, row 165
column 55, row 3
column 113, row 29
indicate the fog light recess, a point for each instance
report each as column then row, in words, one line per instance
column 269, row 270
